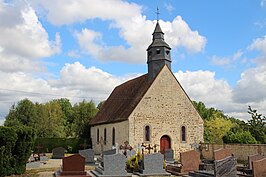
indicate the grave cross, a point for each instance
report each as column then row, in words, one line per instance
column 155, row 145
column 143, row 147
column 149, row 148
column 101, row 143
column 125, row 147
column 38, row 147
column 139, row 148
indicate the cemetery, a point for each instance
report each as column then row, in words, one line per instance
column 147, row 127
column 143, row 160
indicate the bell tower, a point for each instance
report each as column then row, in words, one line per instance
column 158, row 53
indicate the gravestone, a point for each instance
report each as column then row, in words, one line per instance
column 190, row 161
column 114, row 165
column 58, row 153
column 153, row 165
column 252, row 158
column 73, row 165
column 259, row 168
column 169, row 155
column 109, row 152
column 44, row 158
column 225, row 167
column 131, row 153
column 221, row 153
column 88, row 154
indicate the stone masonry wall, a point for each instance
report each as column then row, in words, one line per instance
column 121, row 135
column 166, row 108
column 240, row 151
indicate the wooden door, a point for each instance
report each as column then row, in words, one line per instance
column 165, row 143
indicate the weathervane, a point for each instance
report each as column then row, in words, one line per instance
column 158, row 13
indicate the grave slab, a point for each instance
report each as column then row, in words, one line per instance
column 153, row 165
column 259, row 168
column 225, row 167
column 169, row 155
column 73, row 165
column 88, row 154
column 58, row 153
column 113, row 165
column 221, row 153
column 254, row 157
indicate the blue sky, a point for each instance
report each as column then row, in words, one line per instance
column 82, row 49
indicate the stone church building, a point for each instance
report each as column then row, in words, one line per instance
column 151, row 109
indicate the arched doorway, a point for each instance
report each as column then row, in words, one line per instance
column 165, row 143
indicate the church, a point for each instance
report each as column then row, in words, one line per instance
column 152, row 109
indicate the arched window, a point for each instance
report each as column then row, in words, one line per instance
column 98, row 136
column 113, row 137
column 104, row 136
column 147, row 133
column 158, row 51
column 183, row 134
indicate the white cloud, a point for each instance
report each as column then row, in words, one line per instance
column 23, row 38
column 179, row 34
column 73, row 54
column 252, row 85
column 133, row 27
column 223, row 61
column 169, row 7
column 259, row 44
column 202, row 86
column 76, row 82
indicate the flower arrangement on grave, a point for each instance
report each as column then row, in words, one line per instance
column 134, row 162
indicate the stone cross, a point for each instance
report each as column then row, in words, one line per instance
column 125, row 147
column 101, row 143
column 38, row 147
column 84, row 145
column 194, row 145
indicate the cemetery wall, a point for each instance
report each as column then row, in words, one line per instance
column 240, row 151
column 121, row 135
column 166, row 107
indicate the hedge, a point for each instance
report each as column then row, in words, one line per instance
column 72, row 145
column 16, row 145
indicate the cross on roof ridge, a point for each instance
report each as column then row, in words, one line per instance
column 158, row 13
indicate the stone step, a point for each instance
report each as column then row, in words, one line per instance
column 173, row 168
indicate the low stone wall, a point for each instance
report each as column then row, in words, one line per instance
column 240, row 151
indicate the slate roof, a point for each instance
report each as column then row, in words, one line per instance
column 122, row 101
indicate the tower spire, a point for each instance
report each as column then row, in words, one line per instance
column 158, row 52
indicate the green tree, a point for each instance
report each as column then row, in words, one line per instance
column 205, row 113
column 242, row 137
column 24, row 113
column 216, row 128
column 257, row 125
column 83, row 113
column 68, row 115
column 55, row 120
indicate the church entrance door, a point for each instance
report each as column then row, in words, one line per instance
column 165, row 143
